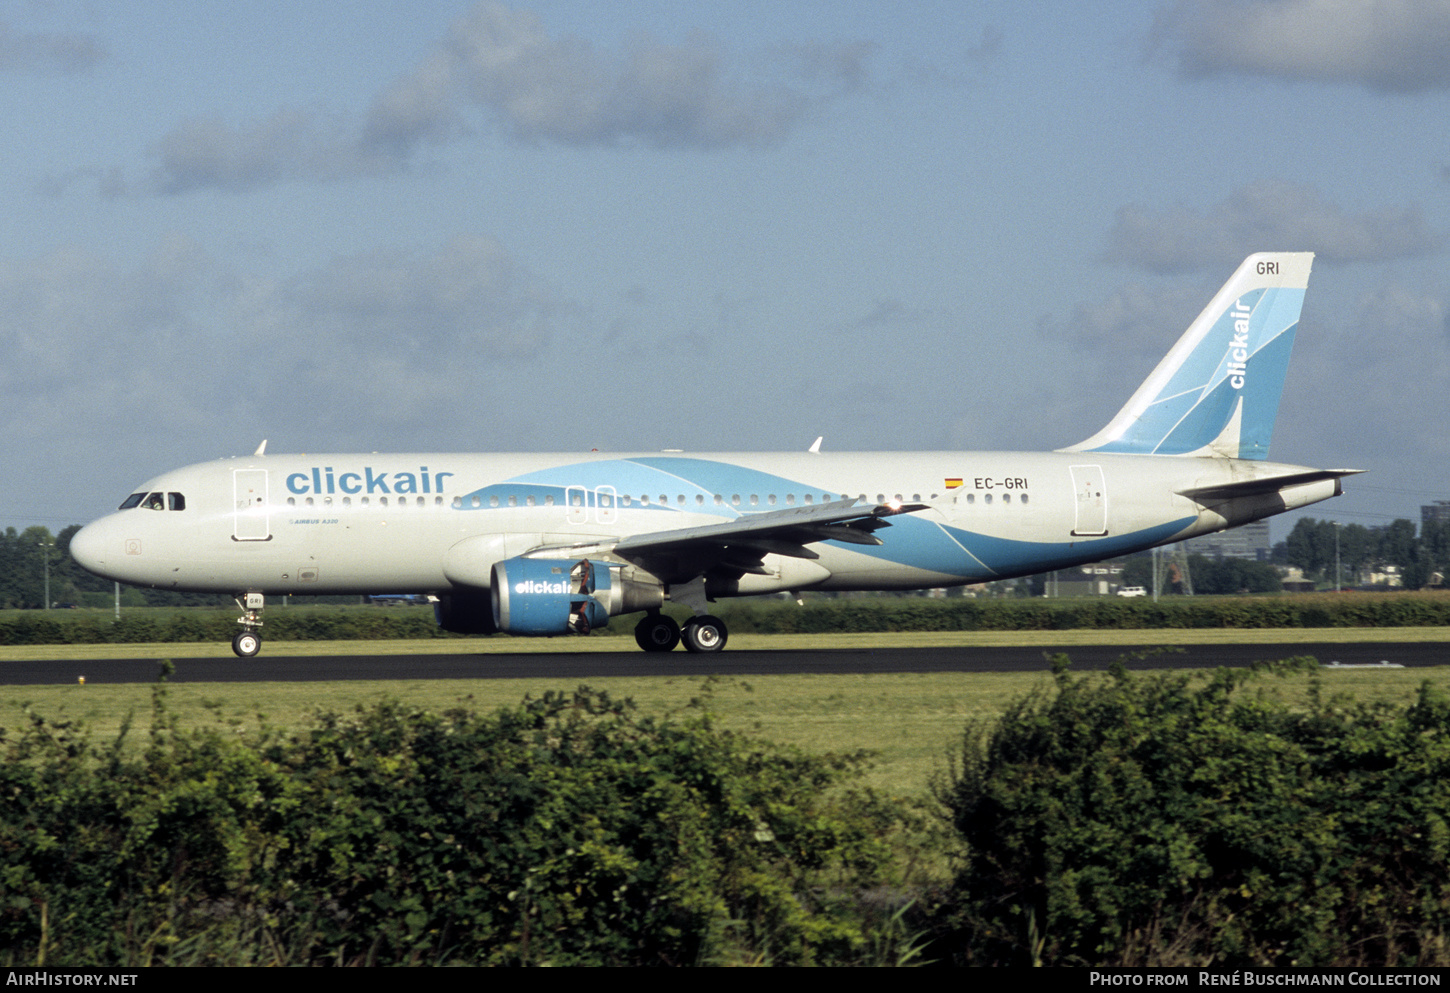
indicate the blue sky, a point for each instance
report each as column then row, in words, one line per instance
column 737, row 226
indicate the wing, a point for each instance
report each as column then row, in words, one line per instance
column 740, row 546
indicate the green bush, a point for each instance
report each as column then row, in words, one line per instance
column 771, row 616
column 567, row 830
column 1180, row 820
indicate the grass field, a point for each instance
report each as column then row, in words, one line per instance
column 910, row 721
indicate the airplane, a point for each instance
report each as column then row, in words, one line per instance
column 553, row 544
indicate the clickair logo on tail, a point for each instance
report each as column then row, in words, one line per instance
column 1238, row 350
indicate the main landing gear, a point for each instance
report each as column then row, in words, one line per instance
column 248, row 641
column 658, row 633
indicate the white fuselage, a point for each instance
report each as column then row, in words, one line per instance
column 435, row 523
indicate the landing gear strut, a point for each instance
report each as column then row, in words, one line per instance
column 248, row 641
column 657, row 633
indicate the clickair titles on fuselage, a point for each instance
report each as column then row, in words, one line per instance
column 320, row 480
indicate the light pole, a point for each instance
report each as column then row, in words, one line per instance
column 45, row 547
column 1338, row 584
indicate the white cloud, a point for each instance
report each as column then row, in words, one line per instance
column 1264, row 216
column 535, row 87
column 1366, row 382
column 42, row 52
column 470, row 298
column 542, row 88
column 290, row 144
column 1386, row 45
column 174, row 343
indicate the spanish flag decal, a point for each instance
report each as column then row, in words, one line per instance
column 953, row 482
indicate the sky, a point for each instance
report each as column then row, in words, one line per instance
column 566, row 225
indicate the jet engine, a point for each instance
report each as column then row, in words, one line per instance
column 556, row 596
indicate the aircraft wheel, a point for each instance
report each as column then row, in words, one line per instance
column 704, row 634
column 657, row 633
column 247, row 643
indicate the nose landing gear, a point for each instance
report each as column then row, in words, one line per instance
column 248, row 641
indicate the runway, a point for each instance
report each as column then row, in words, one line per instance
column 593, row 665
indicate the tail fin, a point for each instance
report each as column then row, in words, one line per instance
column 1217, row 392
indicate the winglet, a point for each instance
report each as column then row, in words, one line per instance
column 1216, row 393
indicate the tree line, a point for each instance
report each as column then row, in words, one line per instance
column 1418, row 557
column 26, row 557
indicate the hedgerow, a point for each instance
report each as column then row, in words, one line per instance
column 1179, row 820
column 765, row 616
column 567, row 830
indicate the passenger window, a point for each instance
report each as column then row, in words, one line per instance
column 1022, row 498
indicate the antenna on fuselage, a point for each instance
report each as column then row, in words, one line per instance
column 816, row 446
column 262, row 448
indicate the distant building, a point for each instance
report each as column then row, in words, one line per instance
column 1437, row 512
column 1249, row 541
column 1093, row 579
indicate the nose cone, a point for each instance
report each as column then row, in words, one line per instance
column 90, row 547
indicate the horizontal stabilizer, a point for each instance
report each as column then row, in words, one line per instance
column 1268, row 484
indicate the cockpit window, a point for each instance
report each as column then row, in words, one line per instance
column 155, row 501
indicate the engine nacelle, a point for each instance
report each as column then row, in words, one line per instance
column 557, row 596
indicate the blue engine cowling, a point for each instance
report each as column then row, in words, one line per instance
column 557, row 596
